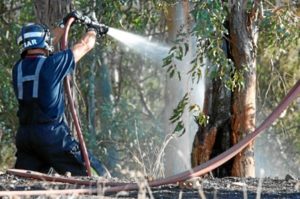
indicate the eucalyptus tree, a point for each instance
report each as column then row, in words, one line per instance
column 217, row 24
column 228, row 34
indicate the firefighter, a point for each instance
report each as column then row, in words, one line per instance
column 43, row 139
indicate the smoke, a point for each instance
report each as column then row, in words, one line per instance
column 275, row 156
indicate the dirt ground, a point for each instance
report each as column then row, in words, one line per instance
column 221, row 188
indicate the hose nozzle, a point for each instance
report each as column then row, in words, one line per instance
column 92, row 23
column 103, row 29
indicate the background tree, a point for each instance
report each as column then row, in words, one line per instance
column 239, row 70
column 238, row 26
column 278, row 69
column 179, row 23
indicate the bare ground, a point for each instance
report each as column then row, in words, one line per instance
column 221, row 188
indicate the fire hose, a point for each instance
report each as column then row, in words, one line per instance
column 64, row 45
column 195, row 172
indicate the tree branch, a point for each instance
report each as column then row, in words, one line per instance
column 144, row 101
column 11, row 10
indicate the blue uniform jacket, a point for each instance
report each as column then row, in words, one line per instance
column 50, row 96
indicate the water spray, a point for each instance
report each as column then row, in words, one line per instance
column 140, row 45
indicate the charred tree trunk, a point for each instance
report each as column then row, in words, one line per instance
column 232, row 114
column 214, row 138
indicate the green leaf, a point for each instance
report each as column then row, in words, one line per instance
column 178, row 75
column 172, row 73
column 179, row 53
column 186, row 45
column 179, row 129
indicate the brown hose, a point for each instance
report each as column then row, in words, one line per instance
column 203, row 168
column 45, row 177
column 64, row 44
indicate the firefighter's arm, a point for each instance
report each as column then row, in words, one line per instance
column 86, row 44
column 89, row 39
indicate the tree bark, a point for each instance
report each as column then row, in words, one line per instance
column 50, row 12
column 243, row 40
column 105, row 105
column 232, row 114
column 214, row 138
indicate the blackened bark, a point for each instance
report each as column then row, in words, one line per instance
column 214, row 138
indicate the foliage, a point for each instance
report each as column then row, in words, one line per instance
column 211, row 42
column 134, row 82
column 9, row 29
column 200, row 118
column 278, row 70
column 136, row 140
column 177, row 115
column 177, row 52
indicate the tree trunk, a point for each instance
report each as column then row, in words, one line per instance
column 177, row 150
column 104, row 103
column 232, row 115
column 51, row 12
column 243, row 38
column 173, row 92
column 214, row 138
column 92, row 99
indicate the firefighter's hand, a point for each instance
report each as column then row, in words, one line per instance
column 77, row 15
